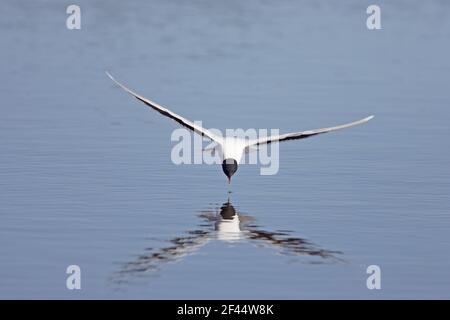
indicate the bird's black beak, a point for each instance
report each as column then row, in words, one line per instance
column 229, row 167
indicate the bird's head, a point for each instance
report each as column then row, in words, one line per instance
column 229, row 167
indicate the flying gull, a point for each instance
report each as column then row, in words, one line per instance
column 231, row 149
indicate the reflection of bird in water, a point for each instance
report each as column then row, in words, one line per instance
column 224, row 225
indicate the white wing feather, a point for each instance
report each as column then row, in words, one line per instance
column 168, row 113
column 304, row 134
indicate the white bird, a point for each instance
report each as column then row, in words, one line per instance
column 231, row 149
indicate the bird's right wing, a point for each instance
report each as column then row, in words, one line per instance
column 170, row 114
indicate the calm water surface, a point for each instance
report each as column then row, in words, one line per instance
column 85, row 170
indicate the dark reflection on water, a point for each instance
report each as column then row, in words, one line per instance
column 224, row 224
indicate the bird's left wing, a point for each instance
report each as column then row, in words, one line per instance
column 170, row 114
column 303, row 134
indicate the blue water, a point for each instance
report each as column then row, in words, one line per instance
column 85, row 170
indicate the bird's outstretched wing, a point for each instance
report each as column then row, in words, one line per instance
column 303, row 134
column 166, row 112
